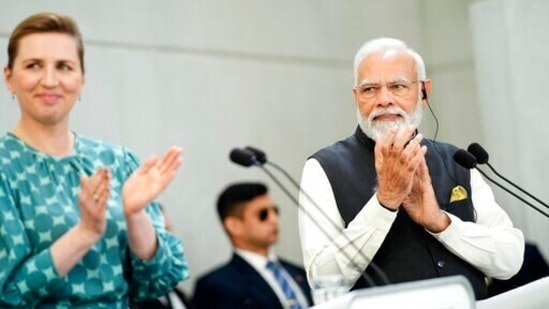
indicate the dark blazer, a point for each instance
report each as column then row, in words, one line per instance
column 238, row 285
column 156, row 304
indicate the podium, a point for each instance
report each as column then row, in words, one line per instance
column 439, row 293
column 534, row 295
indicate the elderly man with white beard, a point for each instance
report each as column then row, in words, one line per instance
column 390, row 198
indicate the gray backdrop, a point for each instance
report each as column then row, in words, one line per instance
column 211, row 75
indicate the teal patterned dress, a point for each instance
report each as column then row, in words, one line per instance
column 39, row 203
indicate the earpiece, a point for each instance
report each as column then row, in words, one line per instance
column 423, row 91
column 424, row 97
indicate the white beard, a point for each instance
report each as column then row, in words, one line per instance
column 377, row 130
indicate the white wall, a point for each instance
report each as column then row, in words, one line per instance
column 511, row 62
column 214, row 74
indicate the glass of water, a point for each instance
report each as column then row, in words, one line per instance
column 328, row 287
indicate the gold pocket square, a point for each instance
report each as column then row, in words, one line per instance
column 458, row 193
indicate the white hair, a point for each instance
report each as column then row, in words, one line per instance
column 382, row 46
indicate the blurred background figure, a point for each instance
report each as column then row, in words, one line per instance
column 255, row 277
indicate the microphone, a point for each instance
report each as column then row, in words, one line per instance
column 481, row 156
column 469, row 161
column 261, row 159
column 465, row 159
column 260, row 155
column 244, row 157
column 479, row 152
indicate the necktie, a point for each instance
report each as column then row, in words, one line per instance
column 289, row 293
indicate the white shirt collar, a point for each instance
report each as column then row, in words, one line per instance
column 258, row 261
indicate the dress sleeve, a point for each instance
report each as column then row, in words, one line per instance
column 159, row 275
column 26, row 277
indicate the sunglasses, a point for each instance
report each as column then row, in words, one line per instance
column 263, row 214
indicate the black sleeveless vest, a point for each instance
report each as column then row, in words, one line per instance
column 408, row 253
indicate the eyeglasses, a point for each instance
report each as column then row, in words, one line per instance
column 263, row 214
column 401, row 89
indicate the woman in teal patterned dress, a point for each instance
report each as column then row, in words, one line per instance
column 78, row 225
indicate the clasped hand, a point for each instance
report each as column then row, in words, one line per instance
column 403, row 179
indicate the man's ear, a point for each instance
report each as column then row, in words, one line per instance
column 426, row 87
column 233, row 225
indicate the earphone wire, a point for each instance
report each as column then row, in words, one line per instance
column 435, row 118
column 426, row 98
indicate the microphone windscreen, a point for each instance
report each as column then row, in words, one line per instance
column 478, row 151
column 260, row 156
column 242, row 157
column 465, row 159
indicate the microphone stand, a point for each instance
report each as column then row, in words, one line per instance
column 516, row 186
column 512, row 193
column 375, row 268
column 481, row 156
column 285, row 190
column 253, row 156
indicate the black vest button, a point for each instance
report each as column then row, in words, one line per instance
column 440, row 264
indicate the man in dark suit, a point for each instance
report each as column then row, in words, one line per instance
column 248, row 280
